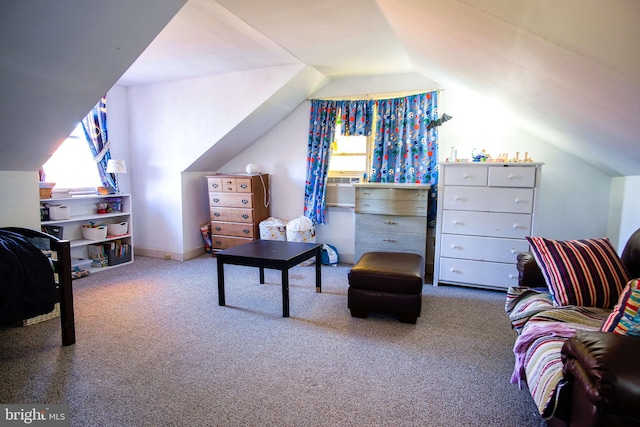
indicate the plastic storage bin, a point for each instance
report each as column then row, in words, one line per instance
column 92, row 232
column 57, row 212
column 117, row 229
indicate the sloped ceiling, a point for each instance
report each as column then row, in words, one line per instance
column 568, row 72
column 57, row 58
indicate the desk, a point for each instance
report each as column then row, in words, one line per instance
column 272, row 254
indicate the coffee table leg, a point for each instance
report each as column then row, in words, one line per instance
column 285, row 292
column 318, row 275
column 220, row 282
column 262, row 275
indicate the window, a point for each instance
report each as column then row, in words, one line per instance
column 350, row 154
column 72, row 165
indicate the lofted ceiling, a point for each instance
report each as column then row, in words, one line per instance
column 567, row 72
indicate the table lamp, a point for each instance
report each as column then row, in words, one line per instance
column 116, row 167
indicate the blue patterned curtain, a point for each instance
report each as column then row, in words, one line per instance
column 357, row 117
column 405, row 149
column 322, row 124
column 95, row 129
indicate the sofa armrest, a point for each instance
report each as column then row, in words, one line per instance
column 605, row 367
column 529, row 273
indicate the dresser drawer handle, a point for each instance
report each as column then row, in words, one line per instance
column 216, row 200
column 214, row 185
column 216, row 214
column 245, row 231
column 390, row 222
column 229, row 188
column 456, row 222
column 245, row 201
column 516, row 226
column 453, row 270
column 458, row 199
column 365, row 204
column 513, row 276
column 517, row 200
column 218, row 228
column 365, row 193
column 454, row 247
column 218, row 242
column 245, row 216
column 244, row 186
column 389, row 240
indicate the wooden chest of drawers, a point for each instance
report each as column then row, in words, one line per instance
column 391, row 218
column 485, row 211
column 237, row 205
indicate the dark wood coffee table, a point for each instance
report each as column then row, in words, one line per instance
column 272, row 254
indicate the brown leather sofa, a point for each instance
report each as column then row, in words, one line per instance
column 602, row 368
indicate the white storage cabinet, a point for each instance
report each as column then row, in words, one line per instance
column 485, row 211
column 79, row 210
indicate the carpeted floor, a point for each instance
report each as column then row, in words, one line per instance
column 155, row 349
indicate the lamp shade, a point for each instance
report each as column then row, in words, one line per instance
column 116, row 166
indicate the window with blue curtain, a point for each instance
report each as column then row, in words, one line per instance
column 405, row 145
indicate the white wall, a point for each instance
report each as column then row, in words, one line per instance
column 19, row 199
column 171, row 126
column 623, row 209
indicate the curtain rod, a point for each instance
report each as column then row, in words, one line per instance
column 374, row 96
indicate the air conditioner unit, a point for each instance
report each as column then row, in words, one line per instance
column 340, row 190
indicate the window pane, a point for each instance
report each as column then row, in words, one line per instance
column 72, row 165
column 348, row 163
column 352, row 144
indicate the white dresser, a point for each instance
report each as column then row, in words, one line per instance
column 391, row 218
column 485, row 210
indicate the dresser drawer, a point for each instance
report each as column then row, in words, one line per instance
column 490, row 224
column 214, row 183
column 232, row 200
column 482, row 248
column 225, row 242
column 392, row 194
column 243, row 185
column 393, row 242
column 232, row 229
column 231, row 214
column 489, row 274
column 397, row 207
column 512, row 176
column 367, row 223
column 488, row 199
column 466, row 175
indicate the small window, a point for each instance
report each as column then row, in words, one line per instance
column 72, row 165
column 349, row 155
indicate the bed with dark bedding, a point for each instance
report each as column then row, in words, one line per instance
column 31, row 282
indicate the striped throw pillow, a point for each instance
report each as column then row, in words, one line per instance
column 625, row 317
column 587, row 272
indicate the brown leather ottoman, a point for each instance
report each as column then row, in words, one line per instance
column 387, row 282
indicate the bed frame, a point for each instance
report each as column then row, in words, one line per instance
column 64, row 290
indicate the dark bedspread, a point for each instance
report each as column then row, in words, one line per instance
column 27, row 286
